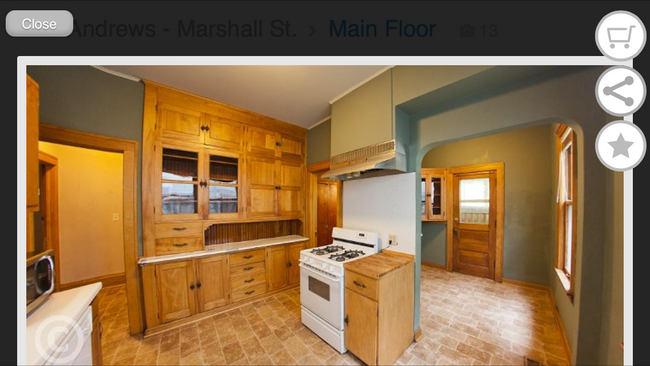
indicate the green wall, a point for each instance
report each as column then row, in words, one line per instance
column 527, row 155
column 85, row 99
column 318, row 143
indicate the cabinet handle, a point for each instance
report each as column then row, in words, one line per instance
column 180, row 244
column 192, row 286
column 101, row 330
column 198, row 284
column 249, row 280
column 278, row 144
column 288, row 264
column 248, row 256
column 203, row 183
column 202, row 128
column 359, row 284
column 207, row 128
column 248, row 268
column 179, row 228
column 346, row 320
column 249, row 292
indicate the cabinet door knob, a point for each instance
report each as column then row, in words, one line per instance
column 192, row 286
column 346, row 319
column 249, row 292
column 198, row 284
column 249, row 280
column 359, row 284
column 248, row 268
column 248, row 256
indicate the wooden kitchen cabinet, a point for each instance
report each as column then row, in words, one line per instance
column 32, row 166
column 277, row 265
column 224, row 133
column 434, row 192
column 293, row 256
column 273, row 144
column 379, row 298
column 213, row 281
column 275, row 188
column 176, row 285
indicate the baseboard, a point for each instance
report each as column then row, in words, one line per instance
column 556, row 314
column 433, row 265
column 417, row 334
column 107, row 281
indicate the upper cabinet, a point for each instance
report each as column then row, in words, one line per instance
column 364, row 117
column 433, row 191
column 32, row 145
column 204, row 160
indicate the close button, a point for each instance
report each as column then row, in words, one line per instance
column 39, row 23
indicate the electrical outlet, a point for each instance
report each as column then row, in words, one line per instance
column 116, row 217
column 392, row 240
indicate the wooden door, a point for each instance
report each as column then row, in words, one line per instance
column 361, row 323
column 223, row 194
column 474, row 229
column 262, row 187
column 176, row 287
column 224, row 133
column 291, row 149
column 276, row 267
column 32, row 145
column 263, row 142
column 290, row 188
column 327, row 211
column 293, row 256
column 179, row 123
column 213, row 282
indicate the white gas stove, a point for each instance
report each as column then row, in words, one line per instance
column 322, row 282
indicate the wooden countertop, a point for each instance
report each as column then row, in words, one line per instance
column 377, row 265
column 224, row 248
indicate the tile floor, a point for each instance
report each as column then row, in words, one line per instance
column 465, row 320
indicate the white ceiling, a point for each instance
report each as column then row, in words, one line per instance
column 296, row 94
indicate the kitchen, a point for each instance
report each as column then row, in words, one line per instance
column 227, row 195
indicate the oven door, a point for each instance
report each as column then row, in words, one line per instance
column 322, row 294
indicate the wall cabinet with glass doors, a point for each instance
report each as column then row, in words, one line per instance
column 433, row 194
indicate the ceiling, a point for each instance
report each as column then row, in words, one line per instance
column 296, row 94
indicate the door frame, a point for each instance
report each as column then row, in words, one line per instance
column 498, row 169
column 51, row 208
column 129, row 151
column 314, row 173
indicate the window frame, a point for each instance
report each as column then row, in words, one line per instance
column 565, row 140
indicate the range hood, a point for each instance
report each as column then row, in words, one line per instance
column 371, row 161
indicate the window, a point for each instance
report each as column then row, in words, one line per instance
column 566, row 207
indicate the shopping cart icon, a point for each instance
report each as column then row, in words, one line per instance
column 620, row 35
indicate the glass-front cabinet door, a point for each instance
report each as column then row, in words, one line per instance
column 179, row 190
column 222, row 184
column 433, row 199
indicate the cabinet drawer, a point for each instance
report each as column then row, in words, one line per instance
column 247, row 292
column 246, row 257
column 363, row 285
column 247, row 280
column 178, row 244
column 247, row 269
column 178, row 229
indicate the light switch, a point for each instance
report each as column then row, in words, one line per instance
column 116, row 217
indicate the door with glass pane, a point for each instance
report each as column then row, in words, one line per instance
column 178, row 177
column 474, row 229
column 222, row 185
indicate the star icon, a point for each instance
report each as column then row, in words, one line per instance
column 621, row 146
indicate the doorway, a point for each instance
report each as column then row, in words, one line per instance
column 476, row 220
column 328, row 210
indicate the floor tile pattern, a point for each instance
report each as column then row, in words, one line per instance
column 465, row 321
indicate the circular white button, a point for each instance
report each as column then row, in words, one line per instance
column 620, row 145
column 620, row 35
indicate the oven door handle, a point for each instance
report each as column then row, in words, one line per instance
column 319, row 272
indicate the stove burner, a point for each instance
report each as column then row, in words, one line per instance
column 348, row 254
column 327, row 249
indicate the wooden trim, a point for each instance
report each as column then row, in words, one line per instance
column 319, row 167
column 149, row 171
column 417, row 334
column 433, row 265
column 560, row 324
column 129, row 149
column 398, row 254
column 107, row 281
column 525, row 284
column 210, row 313
column 52, row 210
column 565, row 137
column 499, row 169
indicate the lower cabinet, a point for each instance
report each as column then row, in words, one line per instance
column 177, row 290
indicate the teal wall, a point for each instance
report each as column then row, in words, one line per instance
column 85, row 99
column 318, row 143
column 527, row 155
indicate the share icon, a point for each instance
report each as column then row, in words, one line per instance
column 611, row 90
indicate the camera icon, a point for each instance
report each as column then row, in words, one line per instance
column 467, row 30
